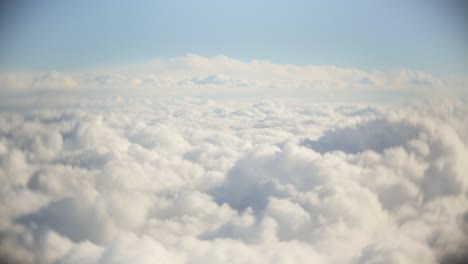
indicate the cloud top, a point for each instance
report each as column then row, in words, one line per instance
column 195, row 181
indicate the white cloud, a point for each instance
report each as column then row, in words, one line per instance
column 194, row 181
column 54, row 80
column 221, row 77
column 30, row 81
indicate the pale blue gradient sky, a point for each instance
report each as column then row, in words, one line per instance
column 72, row 35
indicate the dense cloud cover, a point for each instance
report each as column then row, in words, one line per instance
column 196, row 181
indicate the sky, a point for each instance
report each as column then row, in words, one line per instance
column 186, row 132
column 48, row 35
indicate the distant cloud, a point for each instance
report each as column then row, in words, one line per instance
column 211, row 79
column 54, row 80
column 194, row 75
column 30, row 82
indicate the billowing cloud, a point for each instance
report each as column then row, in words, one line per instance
column 187, row 180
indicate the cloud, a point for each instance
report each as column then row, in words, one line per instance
column 375, row 135
column 211, row 79
column 21, row 82
column 221, row 76
column 54, row 80
column 185, row 180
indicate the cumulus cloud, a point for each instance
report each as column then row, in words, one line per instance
column 186, row 180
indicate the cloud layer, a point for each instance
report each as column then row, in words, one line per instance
column 221, row 77
column 196, row 181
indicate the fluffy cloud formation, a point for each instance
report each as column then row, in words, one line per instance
column 196, row 181
column 221, row 76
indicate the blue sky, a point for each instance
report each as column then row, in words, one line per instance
column 71, row 35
